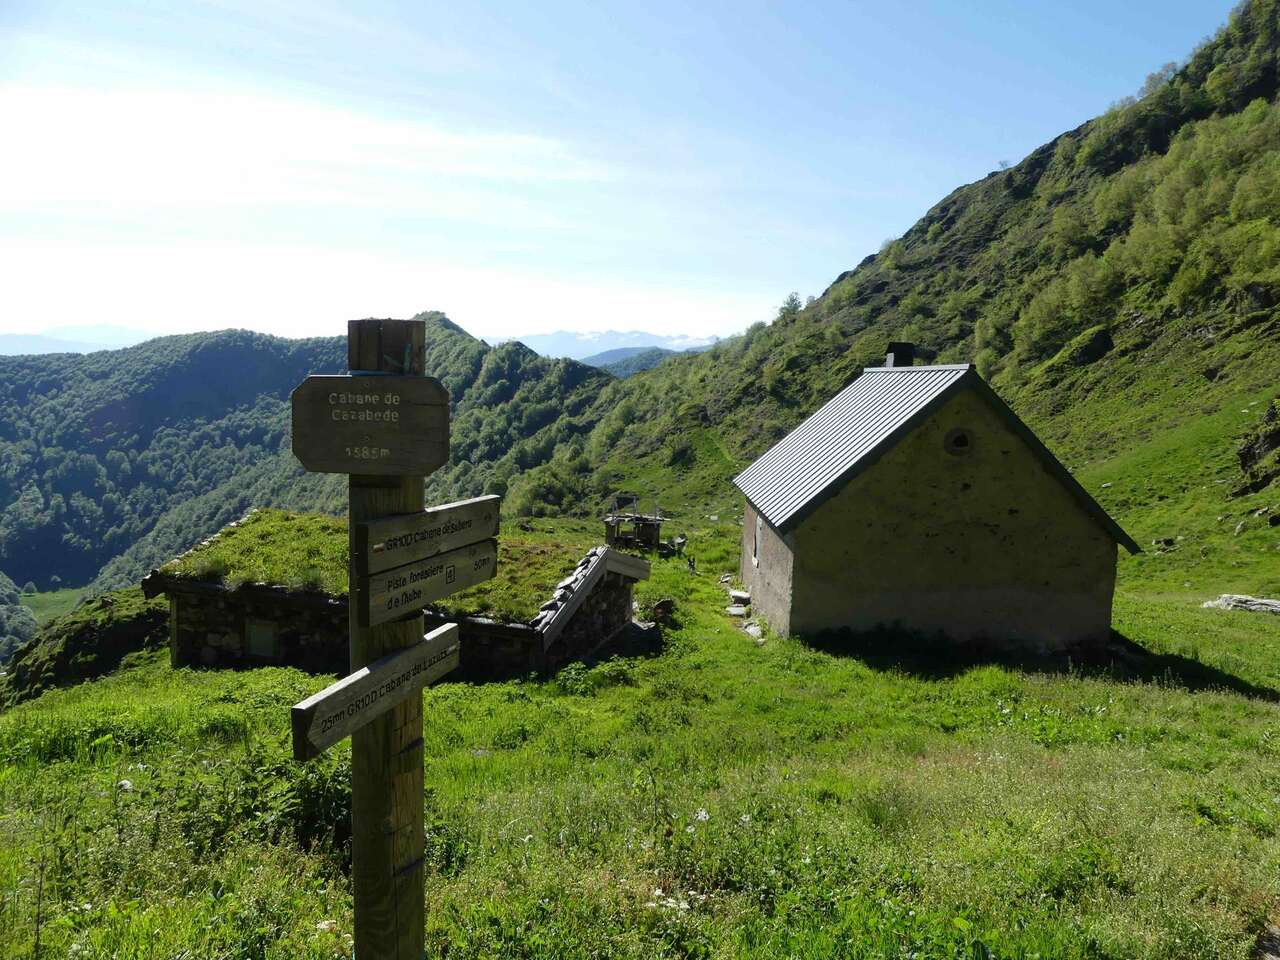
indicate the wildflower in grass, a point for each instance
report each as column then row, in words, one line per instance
column 745, row 819
column 689, row 828
column 702, row 816
column 327, row 926
column 125, row 785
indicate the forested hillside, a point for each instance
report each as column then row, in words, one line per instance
column 625, row 362
column 115, row 461
column 1119, row 287
column 17, row 625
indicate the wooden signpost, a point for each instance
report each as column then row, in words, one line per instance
column 394, row 541
column 386, row 425
column 419, row 558
column 386, row 596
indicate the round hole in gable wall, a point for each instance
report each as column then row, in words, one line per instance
column 958, row 442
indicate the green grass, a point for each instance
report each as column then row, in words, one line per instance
column 84, row 643
column 1175, row 482
column 299, row 551
column 718, row 799
column 48, row 604
column 533, row 556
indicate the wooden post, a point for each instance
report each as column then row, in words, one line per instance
column 386, row 753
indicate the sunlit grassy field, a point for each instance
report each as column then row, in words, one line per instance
column 714, row 798
column 46, row 605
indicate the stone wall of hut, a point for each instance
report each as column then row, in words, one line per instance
column 490, row 650
column 218, row 628
column 604, row 612
column 981, row 545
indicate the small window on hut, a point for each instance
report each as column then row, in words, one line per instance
column 263, row 638
column 958, row 442
column 755, row 542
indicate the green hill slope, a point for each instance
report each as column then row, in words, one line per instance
column 17, row 624
column 625, row 361
column 717, row 799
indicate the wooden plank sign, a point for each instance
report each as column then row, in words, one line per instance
column 335, row 712
column 405, row 590
column 388, row 542
column 379, row 425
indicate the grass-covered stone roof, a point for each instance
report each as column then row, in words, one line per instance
column 532, row 558
column 309, row 552
column 297, row 551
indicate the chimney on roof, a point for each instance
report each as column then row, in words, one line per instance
column 900, row 355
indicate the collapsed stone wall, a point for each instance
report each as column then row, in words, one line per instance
column 567, row 589
column 490, row 650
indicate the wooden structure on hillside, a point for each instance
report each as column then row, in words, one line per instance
column 917, row 499
column 626, row 526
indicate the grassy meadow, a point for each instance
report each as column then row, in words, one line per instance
column 715, row 798
column 48, row 604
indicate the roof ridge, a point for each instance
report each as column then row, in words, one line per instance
column 933, row 366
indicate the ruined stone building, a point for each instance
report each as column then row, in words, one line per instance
column 916, row 499
column 571, row 602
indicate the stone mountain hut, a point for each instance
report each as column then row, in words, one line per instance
column 915, row 498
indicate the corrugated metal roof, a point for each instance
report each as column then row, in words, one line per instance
column 862, row 421
column 845, row 430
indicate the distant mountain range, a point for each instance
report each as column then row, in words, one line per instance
column 579, row 346
column 625, row 361
column 80, row 338
column 598, row 349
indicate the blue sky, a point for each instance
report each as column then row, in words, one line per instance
column 286, row 166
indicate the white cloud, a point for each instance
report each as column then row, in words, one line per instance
column 176, row 209
column 84, row 152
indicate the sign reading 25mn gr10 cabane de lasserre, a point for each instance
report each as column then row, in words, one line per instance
column 380, row 425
